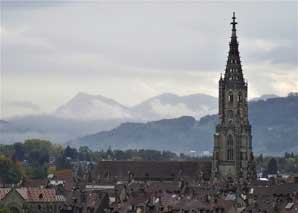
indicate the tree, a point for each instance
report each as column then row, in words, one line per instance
column 19, row 151
column 39, row 157
column 9, row 172
column 84, row 153
column 38, row 171
column 37, row 144
column 71, row 152
column 4, row 210
column 272, row 166
column 260, row 158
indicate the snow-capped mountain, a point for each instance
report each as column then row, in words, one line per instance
column 96, row 107
column 93, row 107
column 169, row 105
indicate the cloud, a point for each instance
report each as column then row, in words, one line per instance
column 17, row 108
column 24, row 104
column 132, row 51
column 179, row 109
column 268, row 78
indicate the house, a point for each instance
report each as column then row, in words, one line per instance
column 30, row 200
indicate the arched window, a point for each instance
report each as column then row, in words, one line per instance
column 230, row 149
column 239, row 97
column 14, row 210
column 230, row 116
column 230, row 97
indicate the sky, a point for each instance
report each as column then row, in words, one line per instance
column 133, row 50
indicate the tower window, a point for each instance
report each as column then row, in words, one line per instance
column 230, row 149
column 230, row 97
column 239, row 97
column 243, row 156
column 230, row 116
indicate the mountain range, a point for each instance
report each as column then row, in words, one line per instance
column 96, row 107
column 85, row 114
column 274, row 121
column 274, row 124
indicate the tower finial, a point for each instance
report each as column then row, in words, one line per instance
column 234, row 22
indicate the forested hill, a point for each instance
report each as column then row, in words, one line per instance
column 274, row 122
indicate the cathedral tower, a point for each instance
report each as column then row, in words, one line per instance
column 232, row 154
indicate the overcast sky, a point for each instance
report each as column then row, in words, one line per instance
column 131, row 51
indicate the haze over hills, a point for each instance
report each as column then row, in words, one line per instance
column 169, row 105
column 274, row 122
column 55, row 129
column 264, row 97
column 64, row 126
column 96, row 107
column 86, row 114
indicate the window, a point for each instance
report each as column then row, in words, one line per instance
column 239, row 97
column 230, row 97
column 243, row 156
column 230, row 115
column 230, row 149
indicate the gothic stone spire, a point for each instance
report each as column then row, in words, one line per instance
column 232, row 154
column 233, row 70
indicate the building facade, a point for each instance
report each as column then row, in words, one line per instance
column 30, row 200
column 232, row 155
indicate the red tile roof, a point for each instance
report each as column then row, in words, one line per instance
column 66, row 176
column 3, row 192
column 35, row 194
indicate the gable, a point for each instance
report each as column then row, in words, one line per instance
column 12, row 197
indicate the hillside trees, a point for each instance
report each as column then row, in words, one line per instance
column 9, row 172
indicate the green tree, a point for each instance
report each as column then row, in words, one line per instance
column 272, row 166
column 38, row 171
column 84, row 153
column 71, row 153
column 4, row 210
column 37, row 144
column 9, row 172
column 19, row 151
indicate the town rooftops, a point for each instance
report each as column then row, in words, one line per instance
column 153, row 169
column 34, row 194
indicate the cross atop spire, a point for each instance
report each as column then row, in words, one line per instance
column 234, row 22
column 233, row 70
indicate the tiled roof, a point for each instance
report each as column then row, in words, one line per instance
column 35, row 194
column 65, row 175
column 3, row 192
column 153, row 169
column 34, row 182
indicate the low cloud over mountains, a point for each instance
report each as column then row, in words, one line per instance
column 95, row 107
